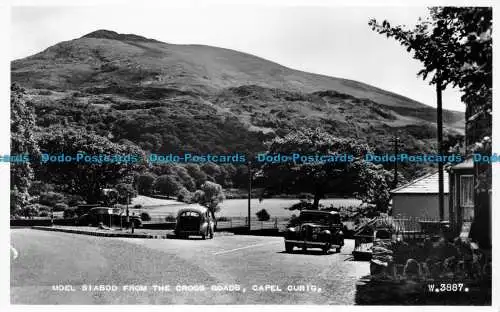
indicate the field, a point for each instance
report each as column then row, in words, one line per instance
column 237, row 208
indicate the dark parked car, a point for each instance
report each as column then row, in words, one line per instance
column 194, row 221
column 315, row 229
column 102, row 214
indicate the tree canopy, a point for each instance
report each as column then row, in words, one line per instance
column 22, row 142
column 85, row 178
column 210, row 195
column 355, row 178
column 455, row 47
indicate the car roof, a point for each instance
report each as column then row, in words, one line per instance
column 196, row 208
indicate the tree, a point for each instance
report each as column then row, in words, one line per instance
column 167, row 185
column 371, row 184
column 145, row 183
column 22, row 142
column 210, row 196
column 86, row 177
column 343, row 177
column 455, row 47
column 125, row 193
column 197, row 174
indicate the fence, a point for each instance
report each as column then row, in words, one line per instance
column 242, row 222
column 228, row 223
column 390, row 228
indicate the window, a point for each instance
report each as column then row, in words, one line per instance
column 467, row 191
column 190, row 214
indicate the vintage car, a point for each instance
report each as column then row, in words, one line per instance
column 315, row 229
column 96, row 215
column 196, row 220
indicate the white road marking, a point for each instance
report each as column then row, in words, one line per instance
column 14, row 252
column 240, row 248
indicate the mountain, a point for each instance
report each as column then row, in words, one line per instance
column 169, row 97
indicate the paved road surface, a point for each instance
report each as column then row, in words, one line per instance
column 45, row 259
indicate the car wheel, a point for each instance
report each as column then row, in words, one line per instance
column 288, row 247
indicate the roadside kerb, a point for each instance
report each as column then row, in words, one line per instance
column 96, row 233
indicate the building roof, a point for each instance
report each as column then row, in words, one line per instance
column 466, row 164
column 427, row 184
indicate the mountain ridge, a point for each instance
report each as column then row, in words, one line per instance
column 319, row 81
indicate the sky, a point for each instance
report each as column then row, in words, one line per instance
column 334, row 41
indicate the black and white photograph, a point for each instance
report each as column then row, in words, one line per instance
column 218, row 153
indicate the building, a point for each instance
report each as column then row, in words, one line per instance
column 470, row 182
column 420, row 198
column 461, row 201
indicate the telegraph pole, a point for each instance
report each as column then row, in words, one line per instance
column 396, row 141
column 440, row 144
column 249, row 165
column 127, row 220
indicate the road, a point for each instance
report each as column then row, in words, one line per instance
column 46, row 259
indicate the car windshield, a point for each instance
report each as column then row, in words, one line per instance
column 190, row 214
column 322, row 218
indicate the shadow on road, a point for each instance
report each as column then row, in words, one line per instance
column 186, row 238
column 309, row 252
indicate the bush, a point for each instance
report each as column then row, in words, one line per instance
column 69, row 213
column 223, row 219
column 76, row 200
column 44, row 92
column 138, row 206
column 184, row 195
column 41, row 208
column 170, row 218
column 145, row 216
column 51, row 198
column 39, row 187
column 60, row 207
column 263, row 215
column 43, row 214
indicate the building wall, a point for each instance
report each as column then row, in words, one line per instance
column 419, row 206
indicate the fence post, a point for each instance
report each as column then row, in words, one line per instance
column 276, row 222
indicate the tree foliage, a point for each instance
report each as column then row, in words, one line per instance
column 357, row 177
column 22, row 142
column 167, row 185
column 145, row 183
column 126, row 192
column 455, row 47
column 85, row 178
column 210, row 195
